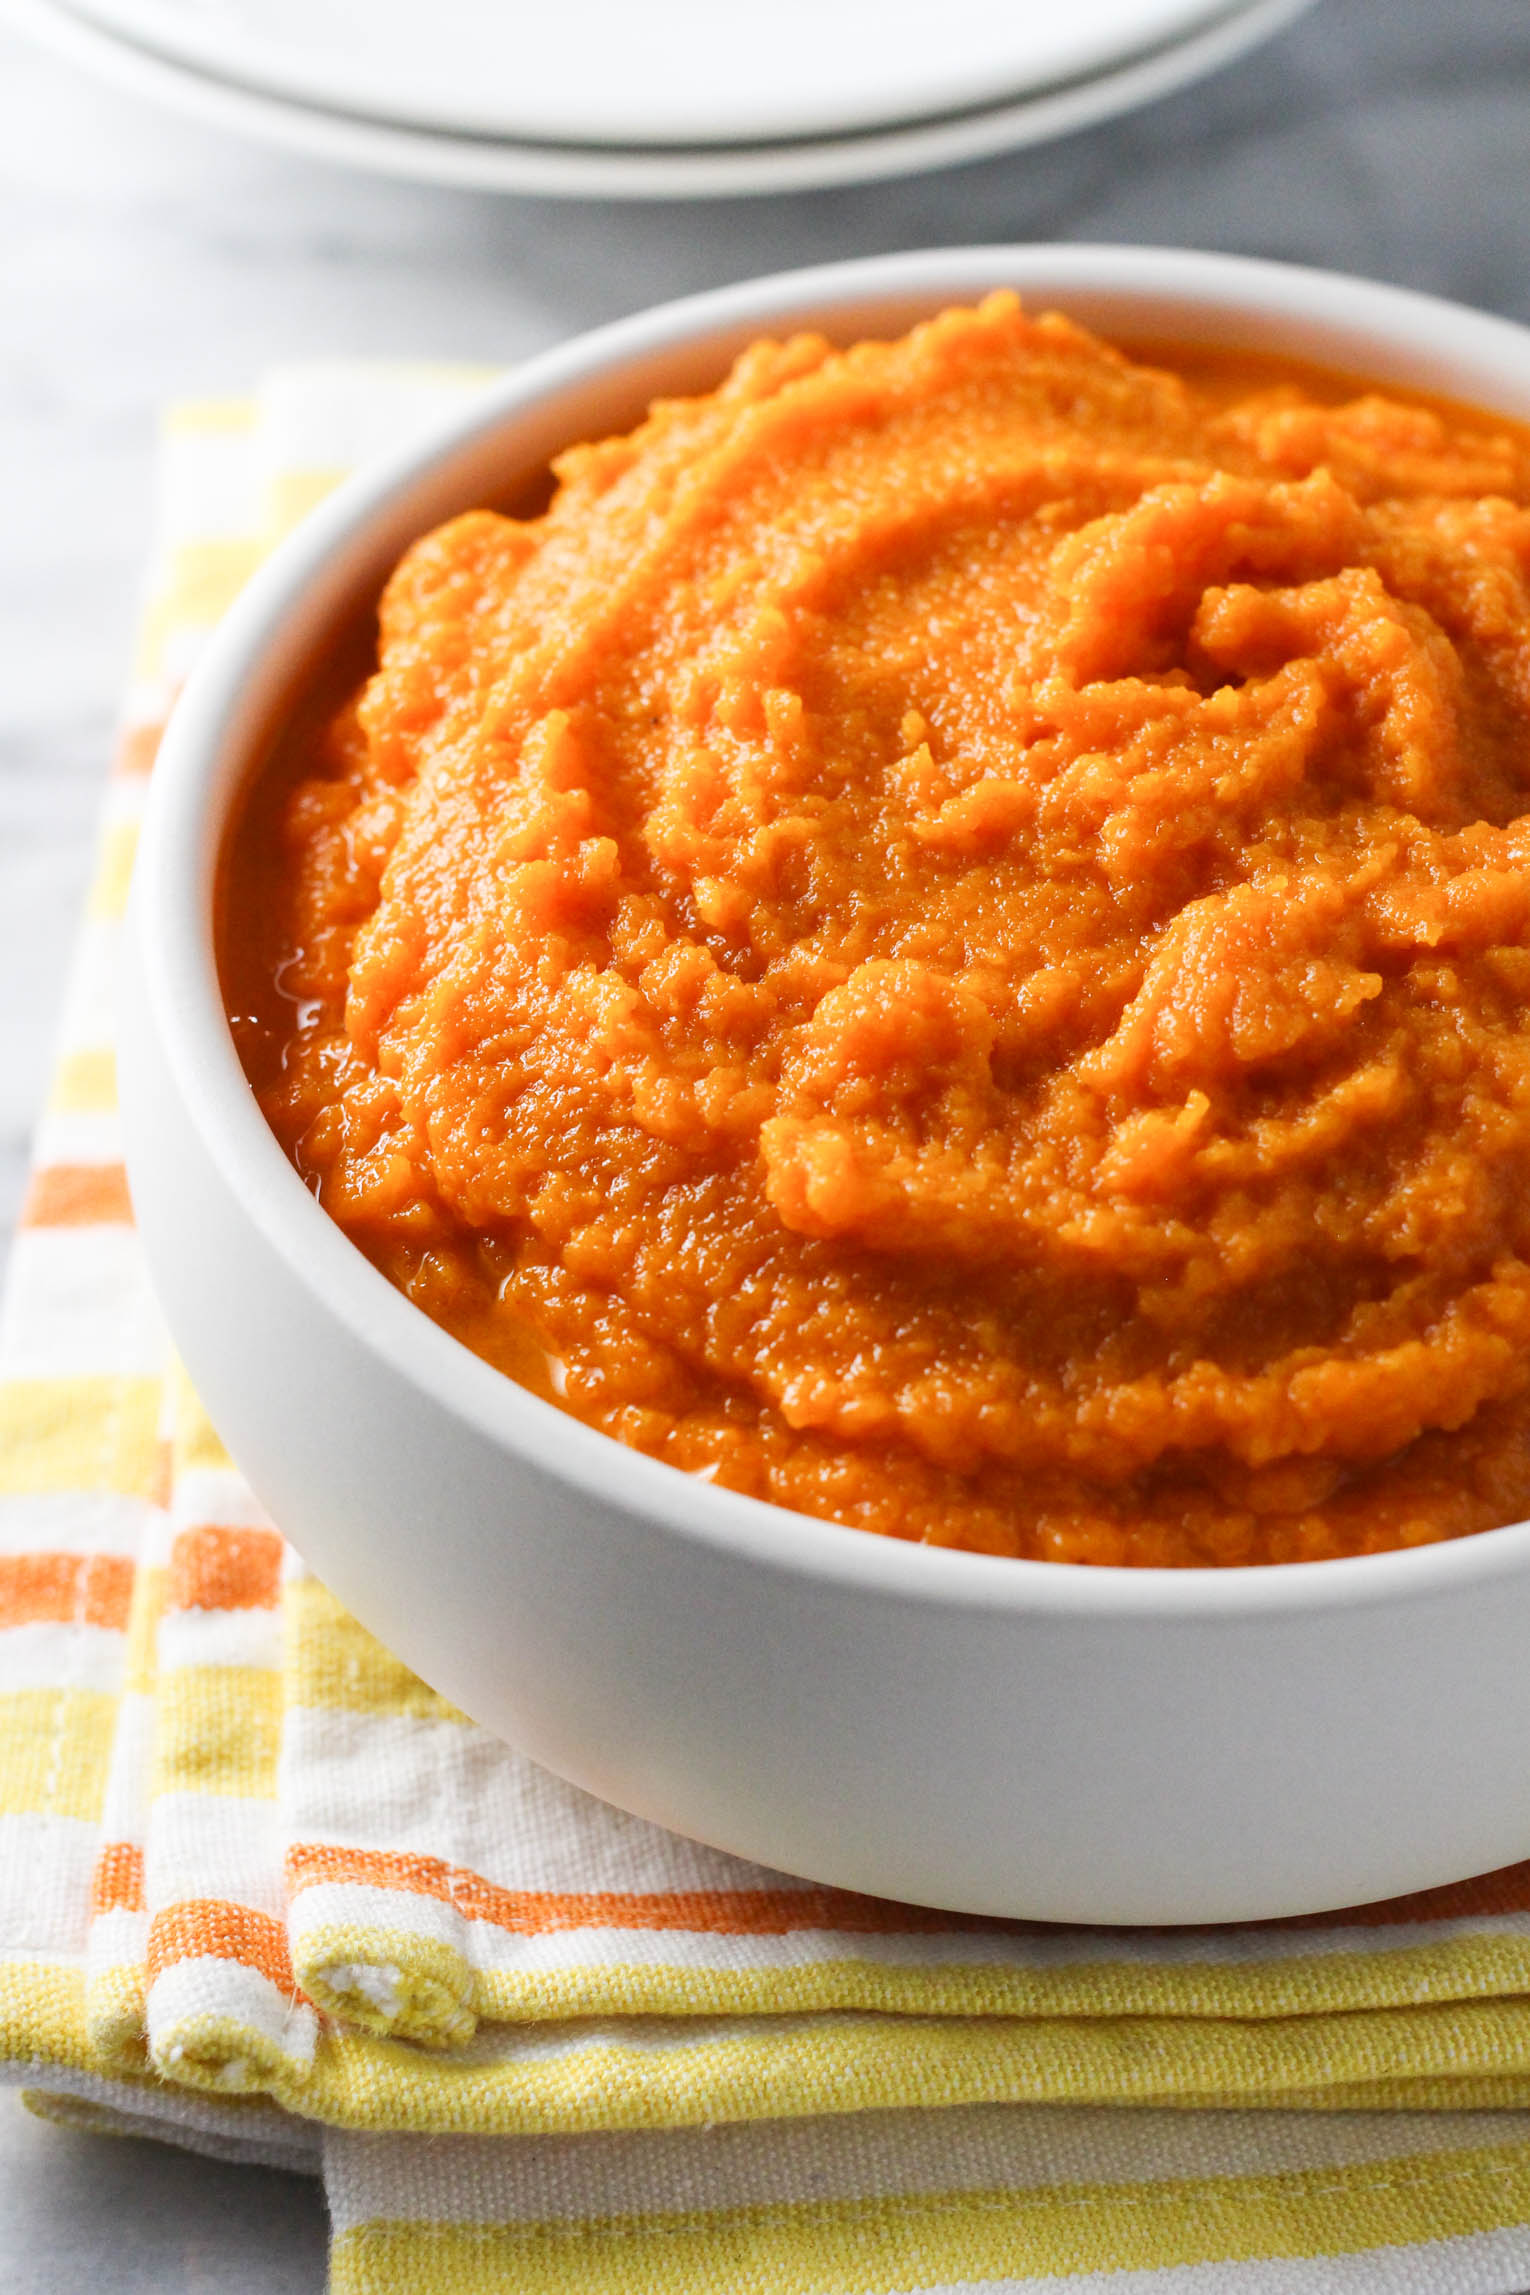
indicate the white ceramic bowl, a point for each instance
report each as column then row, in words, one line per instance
column 995, row 1736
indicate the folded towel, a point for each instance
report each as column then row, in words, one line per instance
column 264, row 1893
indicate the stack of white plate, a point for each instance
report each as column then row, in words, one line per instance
column 654, row 99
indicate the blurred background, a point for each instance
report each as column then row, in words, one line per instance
column 146, row 256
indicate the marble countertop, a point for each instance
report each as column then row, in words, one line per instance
column 144, row 257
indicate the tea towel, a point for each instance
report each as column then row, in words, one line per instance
column 265, row 1893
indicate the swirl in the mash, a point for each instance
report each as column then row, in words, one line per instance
column 945, row 939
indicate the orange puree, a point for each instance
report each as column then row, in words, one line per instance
column 945, row 940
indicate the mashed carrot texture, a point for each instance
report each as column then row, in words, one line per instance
column 945, row 940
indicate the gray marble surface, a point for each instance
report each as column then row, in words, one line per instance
column 143, row 257
column 81, row 2213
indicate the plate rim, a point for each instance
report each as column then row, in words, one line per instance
column 581, row 172
column 224, row 45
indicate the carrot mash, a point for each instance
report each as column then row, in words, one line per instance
column 945, row 940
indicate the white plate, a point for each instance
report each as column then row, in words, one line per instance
column 653, row 71
column 586, row 172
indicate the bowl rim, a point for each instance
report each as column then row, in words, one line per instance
column 1381, row 331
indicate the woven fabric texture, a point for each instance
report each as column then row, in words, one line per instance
column 265, row 1894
